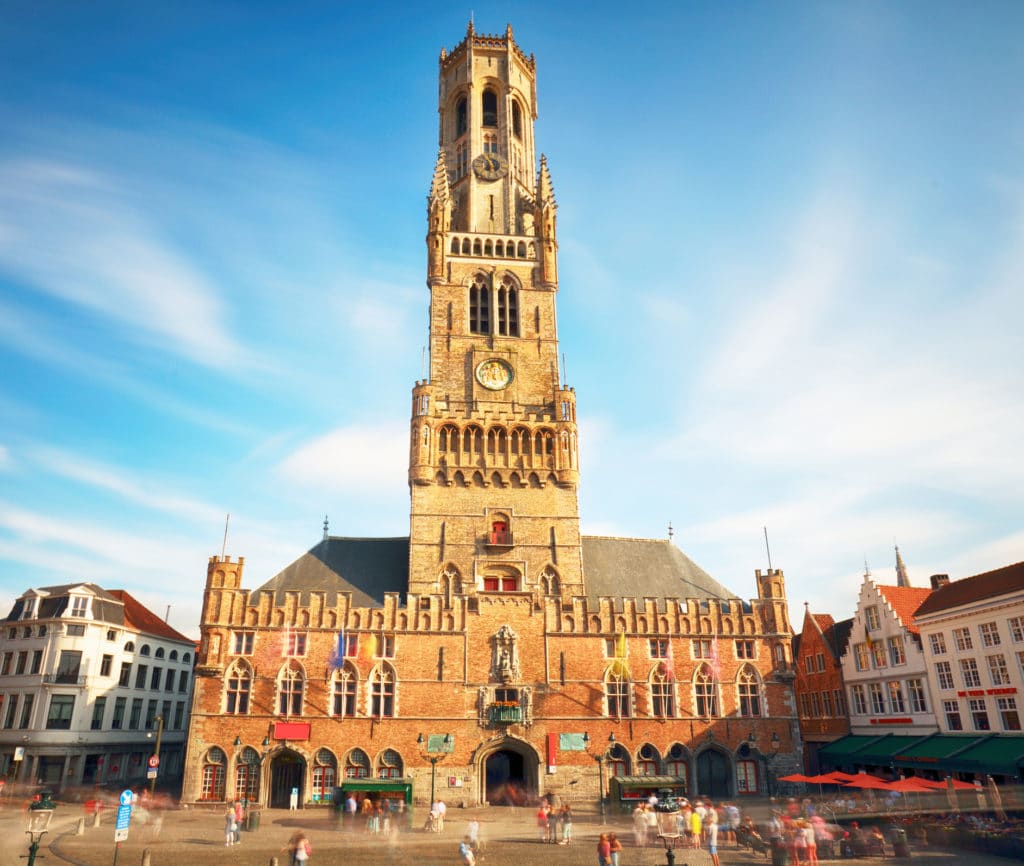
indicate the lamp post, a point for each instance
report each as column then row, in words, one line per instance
column 775, row 743
column 155, row 764
column 39, row 815
column 434, row 758
column 600, row 758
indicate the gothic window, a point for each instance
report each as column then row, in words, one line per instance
column 238, row 689
column 390, row 765
column 517, row 120
column 290, row 686
column 549, row 582
column 344, row 685
column 749, row 693
column 617, row 691
column 325, row 771
column 662, row 700
column 647, row 763
column 501, row 581
column 382, row 692
column 675, row 764
column 212, row 784
column 746, row 777
column 357, row 765
column 490, row 107
column 705, row 693
column 448, row 440
column 479, row 307
column 490, row 143
column 508, row 308
column 618, row 761
column 461, row 117
column 247, row 775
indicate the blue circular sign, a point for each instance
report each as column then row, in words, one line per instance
column 126, row 797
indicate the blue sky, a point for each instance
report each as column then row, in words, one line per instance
column 791, row 261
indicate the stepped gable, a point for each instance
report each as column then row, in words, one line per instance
column 368, row 568
column 641, row 567
column 140, row 617
column 905, row 600
column 989, row 584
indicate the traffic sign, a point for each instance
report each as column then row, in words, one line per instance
column 121, row 835
column 124, row 817
column 154, row 761
column 151, row 773
column 127, row 796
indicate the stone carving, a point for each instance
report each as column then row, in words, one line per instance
column 506, row 655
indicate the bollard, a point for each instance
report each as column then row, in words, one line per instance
column 80, row 829
column 273, row 861
column 145, row 857
column 96, row 818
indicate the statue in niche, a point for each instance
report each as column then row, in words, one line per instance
column 506, row 658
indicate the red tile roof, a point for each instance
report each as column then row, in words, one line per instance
column 824, row 621
column 136, row 615
column 905, row 600
column 986, row 585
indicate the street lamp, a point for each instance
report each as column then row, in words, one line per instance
column 434, row 758
column 600, row 758
column 155, row 760
column 39, row 814
column 775, row 744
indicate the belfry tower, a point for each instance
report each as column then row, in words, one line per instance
column 493, row 464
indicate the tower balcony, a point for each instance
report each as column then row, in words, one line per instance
column 493, row 246
column 504, row 714
column 498, row 540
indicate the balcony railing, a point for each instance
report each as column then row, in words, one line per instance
column 504, row 715
column 64, row 679
column 498, row 539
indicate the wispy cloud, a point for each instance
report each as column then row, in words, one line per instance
column 356, row 460
column 66, row 231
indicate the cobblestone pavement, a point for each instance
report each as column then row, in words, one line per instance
column 192, row 836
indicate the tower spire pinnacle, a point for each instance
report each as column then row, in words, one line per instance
column 902, row 578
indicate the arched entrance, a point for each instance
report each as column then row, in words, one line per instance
column 287, row 773
column 508, row 773
column 713, row 774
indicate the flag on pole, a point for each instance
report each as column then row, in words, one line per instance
column 669, row 663
column 715, row 666
column 337, row 660
column 620, row 667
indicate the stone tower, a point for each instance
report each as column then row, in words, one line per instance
column 493, row 464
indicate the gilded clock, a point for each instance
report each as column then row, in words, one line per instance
column 489, row 166
column 494, row 374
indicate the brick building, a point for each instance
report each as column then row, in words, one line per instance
column 820, row 694
column 496, row 651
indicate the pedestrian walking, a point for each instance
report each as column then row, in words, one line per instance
column 711, row 831
column 614, row 848
column 239, row 820
column 466, row 855
column 299, row 848
column 542, row 821
column 230, row 827
column 566, row 825
column 604, row 851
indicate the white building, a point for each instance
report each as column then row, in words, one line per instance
column 89, row 679
column 973, row 634
column 884, row 668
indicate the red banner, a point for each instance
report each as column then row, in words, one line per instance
column 291, row 730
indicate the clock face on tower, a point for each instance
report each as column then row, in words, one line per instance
column 494, row 374
column 489, row 166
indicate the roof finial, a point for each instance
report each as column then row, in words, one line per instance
column 326, row 527
column 867, row 571
column 671, row 531
column 902, row 578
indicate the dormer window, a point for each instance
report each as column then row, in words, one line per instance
column 490, row 106
column 29, row 610
column 79, row 605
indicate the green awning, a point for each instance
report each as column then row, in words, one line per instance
column 883, row 750
column 936, row 752
column 999, row 755
column 846, row 746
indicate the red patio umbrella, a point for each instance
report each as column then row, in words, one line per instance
column 866, row 780
column 941, row 784
column 911, row 785
column 794, row 777
column 836, row 777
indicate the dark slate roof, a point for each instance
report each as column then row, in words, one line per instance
column 53, row 601
column 839, row 636
column 982, row 586
column 366, row 567
column 641, row 567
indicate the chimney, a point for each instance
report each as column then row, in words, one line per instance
column 939, row 581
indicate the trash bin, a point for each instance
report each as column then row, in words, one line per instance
column 779, row 857
column 252, row 821
column 900, row 845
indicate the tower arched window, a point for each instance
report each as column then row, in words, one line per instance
column 517, row 120
column 648, row 760
column 382, row 692
column 479, row 307
column 705, row 692
column 749, row 693
column 461, row 117
column 357, row 765
column 489, row 103
column 290, row 686
column 238, row 689
column 508, row 308
column 617, row 688
column 344, row 685
column 618, row 761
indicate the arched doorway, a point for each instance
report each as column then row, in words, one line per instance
column 287, row 773
column 509, row 774
column 713, row 774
